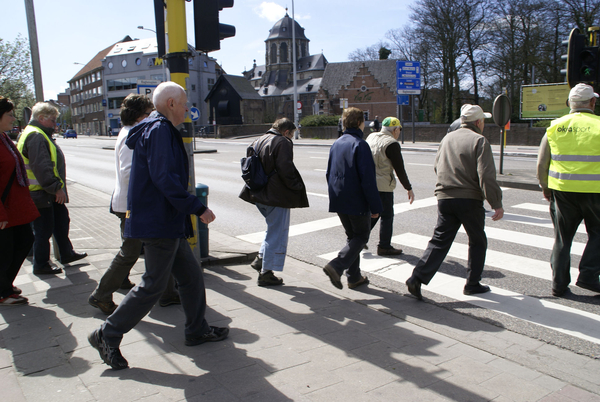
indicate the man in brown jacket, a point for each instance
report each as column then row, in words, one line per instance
column 284, row 190
column 466, row 175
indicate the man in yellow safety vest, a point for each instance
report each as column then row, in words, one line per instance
column 568, row 170
column 45, row 165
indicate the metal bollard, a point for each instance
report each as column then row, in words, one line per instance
column 202, row 194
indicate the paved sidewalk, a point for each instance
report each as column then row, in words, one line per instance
column 304, row 341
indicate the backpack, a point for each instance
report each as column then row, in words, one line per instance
column 253, row 172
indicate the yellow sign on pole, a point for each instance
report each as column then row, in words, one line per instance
column 544, row 101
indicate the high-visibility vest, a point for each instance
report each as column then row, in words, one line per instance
column 34, row 185
column 575, row 147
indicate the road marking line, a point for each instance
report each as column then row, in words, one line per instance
column 496, row 259
column 567, row 320
column 533, row 207
column 526, row 239
column 318, row 195
column 328, row 223
column 531, row 220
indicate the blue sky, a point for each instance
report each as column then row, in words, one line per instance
column 75, row 30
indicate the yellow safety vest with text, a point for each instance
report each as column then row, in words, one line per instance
column 574, row 142
column 34, row 185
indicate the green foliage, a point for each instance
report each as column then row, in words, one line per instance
column 384, row 53
column 319, row 120
column 16, row 75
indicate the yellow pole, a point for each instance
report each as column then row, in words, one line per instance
column 177, row 62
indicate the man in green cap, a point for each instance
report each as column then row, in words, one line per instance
column 388, row 158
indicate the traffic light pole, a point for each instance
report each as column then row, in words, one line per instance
column 177, row 62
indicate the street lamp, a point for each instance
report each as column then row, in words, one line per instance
column 146, row 29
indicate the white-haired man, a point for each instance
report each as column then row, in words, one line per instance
column 158, row 213
column 466, row 175
column 46, row 170
column 568, row 170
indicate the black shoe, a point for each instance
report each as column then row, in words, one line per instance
column 414, row 287
column 334, row 277
column 388, row 251
column 560, row 293
column 215, row 334
column 475, row 289
column 106, row 307
column 73, row 257
column 594, row 287
column 362, row 281
column 16, row 290
column 269, row 279
column 257, row 264
column 110, row 356
column 127, row 284
column 48, row 270
column 171, row 300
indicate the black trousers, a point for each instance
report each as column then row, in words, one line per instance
column 358, row 229
column 15, row 243
column 451, row 214
column 53, row 220
column 567, row 210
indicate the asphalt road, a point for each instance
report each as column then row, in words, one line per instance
column 517, row 265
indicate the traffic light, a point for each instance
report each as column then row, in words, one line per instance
column 582, row 60
column 209, row 31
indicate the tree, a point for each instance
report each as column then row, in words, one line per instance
column 384, row 53
column 368, row 53
column 16, row 75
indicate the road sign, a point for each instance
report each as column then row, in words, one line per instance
column 298, row 105
column 194, row 113
column 147, row 87
column 408, row 77
column 403, row 100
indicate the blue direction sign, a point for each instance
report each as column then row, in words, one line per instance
column 194, row 113
column 403, row 100
column 408, row 77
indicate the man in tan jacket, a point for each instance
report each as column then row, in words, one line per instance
column 466, row 175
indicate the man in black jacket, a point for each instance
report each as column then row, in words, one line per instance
column 284, row 190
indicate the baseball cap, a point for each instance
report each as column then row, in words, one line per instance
column 472, row 113
column 391, row 122
column 582, row 92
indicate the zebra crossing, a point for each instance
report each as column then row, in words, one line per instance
column 539, row 311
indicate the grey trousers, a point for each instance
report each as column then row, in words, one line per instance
column 121, row 265
column 163, row 258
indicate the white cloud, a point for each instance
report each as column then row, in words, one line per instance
column 271, row 11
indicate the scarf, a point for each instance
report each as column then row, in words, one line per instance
column 19, row 165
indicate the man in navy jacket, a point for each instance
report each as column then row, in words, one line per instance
column 158, row 213
column 353, row 195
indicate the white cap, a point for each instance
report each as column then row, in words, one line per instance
column 582, row 92
column 472, row 113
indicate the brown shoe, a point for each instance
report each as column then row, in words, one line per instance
column 388, row 251
column 334, row 277
column 362, row 281
column 106, row 307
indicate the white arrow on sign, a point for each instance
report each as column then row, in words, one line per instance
column 194, row 113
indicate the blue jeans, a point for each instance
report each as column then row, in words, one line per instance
column 163, row 258
column 358, row 229
column 451, row 214
column 274, row 246
column 53, row 220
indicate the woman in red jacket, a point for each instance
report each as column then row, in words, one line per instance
column 16, row 210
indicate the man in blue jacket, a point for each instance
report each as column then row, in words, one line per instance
column 353, row 195
column 158, row 213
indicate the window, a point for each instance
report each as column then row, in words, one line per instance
column 115, row 103
column 158, row 77
column 283, row 52
column 273, row 53
column 110, row 64
column 205, row 64
column 124, row 63
column 193, row 87
column 138, row 61
column 211, row 83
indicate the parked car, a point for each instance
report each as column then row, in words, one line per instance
column 70, row 133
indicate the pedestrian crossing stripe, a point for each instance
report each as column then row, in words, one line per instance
column 527, row 239
column 328, row 223
column 564, row 319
